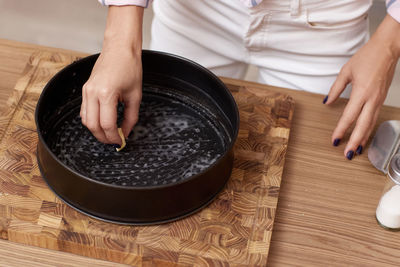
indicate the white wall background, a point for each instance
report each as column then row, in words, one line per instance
column 71, row 24
column 79, row 25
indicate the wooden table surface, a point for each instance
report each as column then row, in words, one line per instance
column 326, row 209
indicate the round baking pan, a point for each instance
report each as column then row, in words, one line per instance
column 178, row 156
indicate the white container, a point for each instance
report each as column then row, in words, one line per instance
column 388, row 210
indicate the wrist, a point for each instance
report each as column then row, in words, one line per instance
column 122, row 45
column 124, row 29
column 388, row 33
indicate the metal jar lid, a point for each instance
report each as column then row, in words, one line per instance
column 394, row 169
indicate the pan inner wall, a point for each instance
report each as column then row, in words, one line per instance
column 174, row 139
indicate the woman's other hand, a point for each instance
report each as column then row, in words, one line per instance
column 370, row 71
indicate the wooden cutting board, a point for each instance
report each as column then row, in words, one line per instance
column 235, row 229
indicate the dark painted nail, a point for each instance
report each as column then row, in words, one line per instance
column 336, row 142
column 359, row 150
column 350, row 155
column 325, row 99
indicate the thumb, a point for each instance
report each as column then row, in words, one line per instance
column 131, row 111
column 338, row 86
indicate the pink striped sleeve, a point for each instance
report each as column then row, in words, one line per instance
column 251, row 3
column 143, row 3
column 393, row 9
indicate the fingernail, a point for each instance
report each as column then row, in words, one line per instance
column 359, row 150
column 350, row 155
column 325, row 99
column 336, row 142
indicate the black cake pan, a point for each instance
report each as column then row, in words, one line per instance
column 178, row 157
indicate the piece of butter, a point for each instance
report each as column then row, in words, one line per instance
column 121, row 134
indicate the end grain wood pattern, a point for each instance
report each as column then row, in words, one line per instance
column 233, row 230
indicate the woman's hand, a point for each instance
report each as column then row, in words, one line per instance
column 116, row 76
column 370, row 71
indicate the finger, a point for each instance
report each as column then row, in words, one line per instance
column 93, row 119
column 368, row 134
column 350, row 114
column 338, row 86
column 363, row 126
column 108, row 120
column 83, row 106
column 131, row 112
